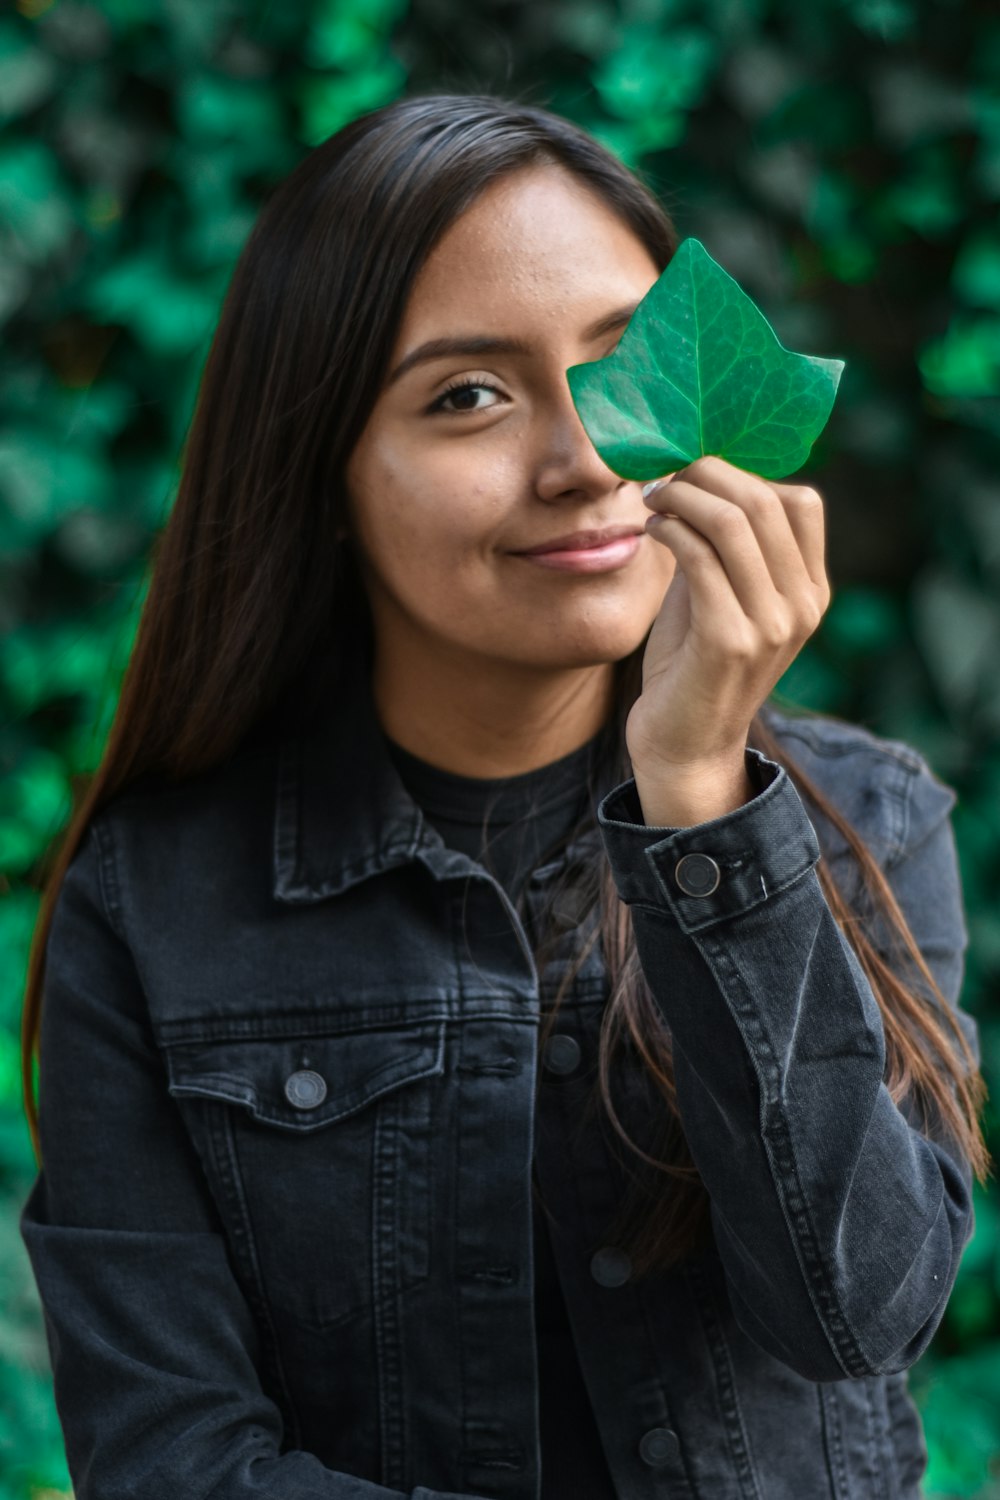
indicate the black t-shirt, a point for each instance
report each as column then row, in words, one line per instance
column 509, row 825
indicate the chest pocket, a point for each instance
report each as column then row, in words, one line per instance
column 318, row 1150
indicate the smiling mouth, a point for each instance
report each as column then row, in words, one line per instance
column 582, row 541
column 582, row 560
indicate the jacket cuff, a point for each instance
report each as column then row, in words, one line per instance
column 741, row 859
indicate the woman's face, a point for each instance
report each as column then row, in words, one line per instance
column 445, row 487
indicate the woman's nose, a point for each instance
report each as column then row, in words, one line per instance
column 566, row 458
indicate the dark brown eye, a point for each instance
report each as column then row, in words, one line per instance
column 461, row 392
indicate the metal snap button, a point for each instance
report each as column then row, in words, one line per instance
column 658, row 1446
column 697, row 874
column 610, row 1267
column 305, row 1089
column 562, row 1053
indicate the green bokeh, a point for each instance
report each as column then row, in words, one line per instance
column 841, row 159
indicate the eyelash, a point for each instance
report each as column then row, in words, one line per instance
column 463, row 385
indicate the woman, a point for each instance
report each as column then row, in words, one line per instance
column 459, row 1072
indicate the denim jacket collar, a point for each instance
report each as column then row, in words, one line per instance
column 326, row 841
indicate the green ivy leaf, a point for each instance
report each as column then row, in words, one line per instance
column 700, row 370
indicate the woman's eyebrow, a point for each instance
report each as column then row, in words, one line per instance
column 491, row 344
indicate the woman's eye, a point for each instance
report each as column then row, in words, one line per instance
column 465, row 396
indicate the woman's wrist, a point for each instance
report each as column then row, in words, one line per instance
column 671, row 797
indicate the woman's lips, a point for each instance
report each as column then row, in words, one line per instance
column 588, row 559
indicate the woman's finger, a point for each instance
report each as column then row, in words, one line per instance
column 758, row 533
column 727, row 528
column 717, row 615
column 807, row 518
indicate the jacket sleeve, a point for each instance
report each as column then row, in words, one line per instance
column 839, row 1224
column 152, row 1345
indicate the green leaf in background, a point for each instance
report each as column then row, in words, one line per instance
column 700, row 370
column 965, row 361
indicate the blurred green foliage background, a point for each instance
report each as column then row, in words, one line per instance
column 840, row 158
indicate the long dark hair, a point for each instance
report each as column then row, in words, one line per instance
column 254, row 603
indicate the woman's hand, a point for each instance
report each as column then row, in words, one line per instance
column 749, row 589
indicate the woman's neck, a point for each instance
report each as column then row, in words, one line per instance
column 491, row 723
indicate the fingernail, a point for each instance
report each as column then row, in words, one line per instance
column 650, row 486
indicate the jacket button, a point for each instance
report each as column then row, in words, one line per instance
column 562, row 1053
column 658, row 1446
column 305, row 1089
column 610, row 1267
column 697, row 874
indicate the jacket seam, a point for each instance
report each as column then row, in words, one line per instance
column 640, row 1293
column 854, row 739
column 228, row 1164
column 793, row 1201
column 905, row 766
column 833, row 1439
column 899, row 790
column 875, row 1435
column 899, row 1411
column 107, row 875
column 741, row 1453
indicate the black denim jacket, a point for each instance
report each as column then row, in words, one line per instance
column 282, row 1231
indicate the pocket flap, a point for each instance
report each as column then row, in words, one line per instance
column 303, row 1083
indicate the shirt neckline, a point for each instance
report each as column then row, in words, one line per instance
column 504, row 798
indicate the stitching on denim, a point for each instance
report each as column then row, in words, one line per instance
column 833, row 1439
column 899, row 796
column 384, row 1268
column 910, row 1462
column 107, row 875
column 875, row 1432
column 758, row 900
column 646, row 1321
column 468, row 1455
column 690, row 924
column 855, row 737
column 317, row 1118
column 220, row 1130
column 725, row 1377
column 330, row 1023
column 457, row 1303
column 637, row 1289
column 904, row 765
column 225, row 1160
column 228, row 1087
column 780, row 1154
